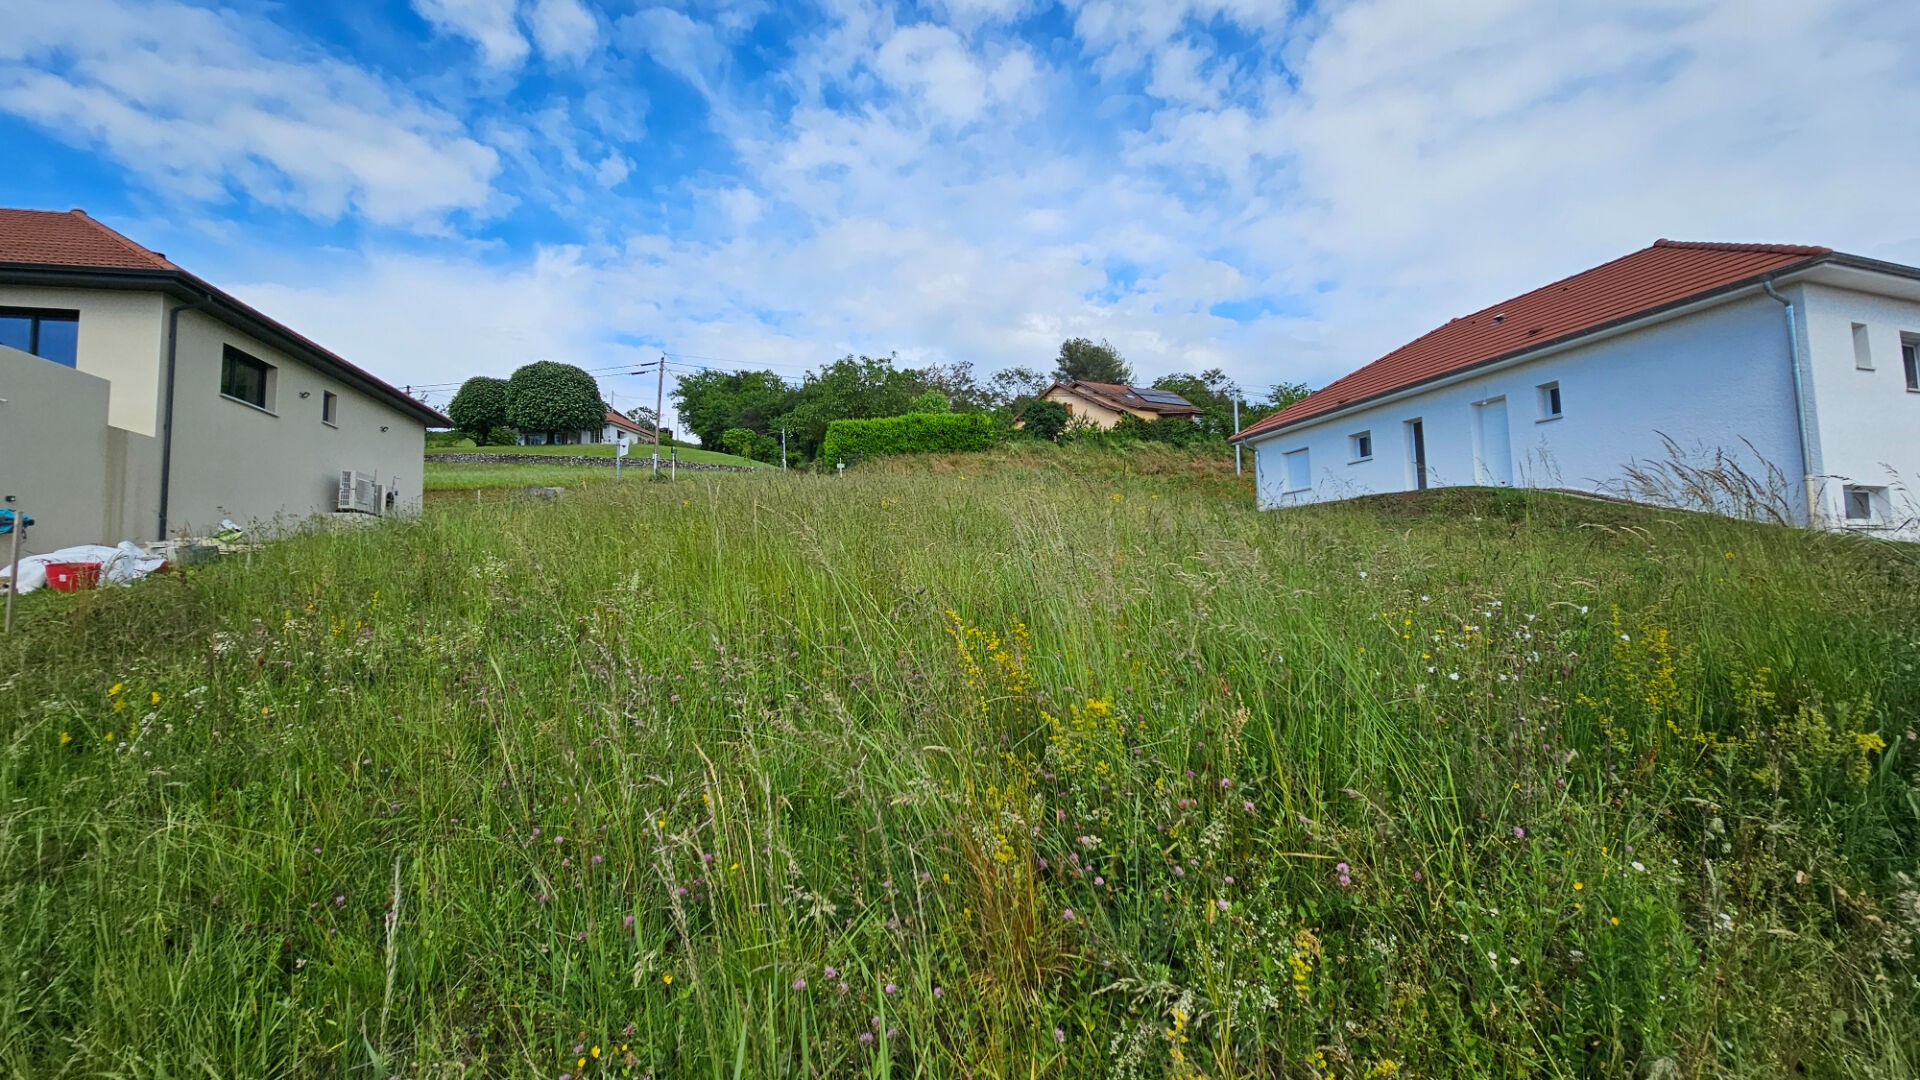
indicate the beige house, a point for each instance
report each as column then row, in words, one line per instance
column 1103, row 404
column 139, row 402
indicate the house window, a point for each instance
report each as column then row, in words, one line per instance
column 1864, row 505
column 1862, row 349
column 1910, row 357
column 1299, row 470
column 329, row 408
column 49, row 335
column 246, row 378
column 1361, row 445
column 1549, row 400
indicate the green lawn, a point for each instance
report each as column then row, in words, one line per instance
column 1035, row 765
column 636, row 453
column 448, row 476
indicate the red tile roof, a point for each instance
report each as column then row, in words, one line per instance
column 625, row 422
column 49, row 238
column 1121, row 397
column 1652, row 278
column 35, row 242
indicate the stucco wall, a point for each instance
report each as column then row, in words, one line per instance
column 120, row 340
column 272, row 468
column 81, row 480
column 1714, row 379
column 1868, row 421
column 1082, row 409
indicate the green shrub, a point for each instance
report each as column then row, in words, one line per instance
column 502, row 436
column 918, row 433
column 1044, row 420
column 449, row 439
column 933, row 401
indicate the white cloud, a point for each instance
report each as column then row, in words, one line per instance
column 613, row 171
column 489, row 24
column 187, row 99
column 564, row 29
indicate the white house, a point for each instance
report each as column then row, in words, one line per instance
column 616, row 428
column 138, row 402
column 1765, row 380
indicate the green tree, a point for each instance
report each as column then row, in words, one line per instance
column 553, row 397
column 933, row 401
column 479, row 407
column 711, row 402
column 850, row 388
column 1044, row 420
column 1082, row 359
column 1278, row 397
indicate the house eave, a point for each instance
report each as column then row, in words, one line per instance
column 1587, row 336
column 188, row 289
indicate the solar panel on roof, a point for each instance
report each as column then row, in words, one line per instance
column 1162, row 397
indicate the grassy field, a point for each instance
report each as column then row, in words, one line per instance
column 1030, row 765
column 639, row 452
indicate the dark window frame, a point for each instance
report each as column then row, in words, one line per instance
column 329, row 408
column 1360, row 446
column 232, row 359
column 35, row 317
column 1910, row 359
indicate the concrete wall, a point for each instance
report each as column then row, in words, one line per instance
column 1715, row 379
column 120, row 340
column 1867, row 420
column 272, row 468
column 81, row 480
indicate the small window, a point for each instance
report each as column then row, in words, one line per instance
column 1864, row 505
column 330, row 408
column 1910, row 357
column 1549, row 400
column 245, row 378
column 1299, row 471
column 1361, row 445
column 49, row 335
column 1862, row 348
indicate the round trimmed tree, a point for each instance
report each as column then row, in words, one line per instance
column 479, row 407
column 553, row 397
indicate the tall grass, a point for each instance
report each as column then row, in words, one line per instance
column 1061, row 765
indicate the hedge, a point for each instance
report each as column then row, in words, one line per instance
column 917, row 433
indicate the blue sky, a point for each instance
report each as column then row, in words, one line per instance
column 439, row 188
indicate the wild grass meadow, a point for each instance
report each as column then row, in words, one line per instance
column 1043, row 765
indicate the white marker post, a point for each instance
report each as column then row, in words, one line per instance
column 619, row 451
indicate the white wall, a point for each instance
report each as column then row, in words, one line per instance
column 1868, row 421
column 1718, row 378
column 275, row 467
column 120, row 340
column 80, row 479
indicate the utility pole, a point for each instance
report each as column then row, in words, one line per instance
column 659, row 403
column 1236, row 431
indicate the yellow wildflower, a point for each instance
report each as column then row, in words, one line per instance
column 114, row 691
column 153, row 698
column 667, row 979
column 65, row 738
column 1578, row 885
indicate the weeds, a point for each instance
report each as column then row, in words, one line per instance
column 1052, row 764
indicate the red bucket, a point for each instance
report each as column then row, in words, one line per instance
column 73, row 576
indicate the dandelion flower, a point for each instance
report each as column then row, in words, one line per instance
column 1578, row 885
column 666, row 980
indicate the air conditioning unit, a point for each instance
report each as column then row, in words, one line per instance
column 360, row 493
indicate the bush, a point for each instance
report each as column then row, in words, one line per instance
column 1044, row 420
column 918, row 433
column 449, row 439
column 502, row 436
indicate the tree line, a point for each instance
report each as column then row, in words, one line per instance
column 746, row 412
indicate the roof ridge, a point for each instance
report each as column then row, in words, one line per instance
column 1717, row 245
column 120, row 238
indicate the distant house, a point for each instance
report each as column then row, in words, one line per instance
column 1103, row 404
column 1797, row 367
column 137, row 401
column 615, row 429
